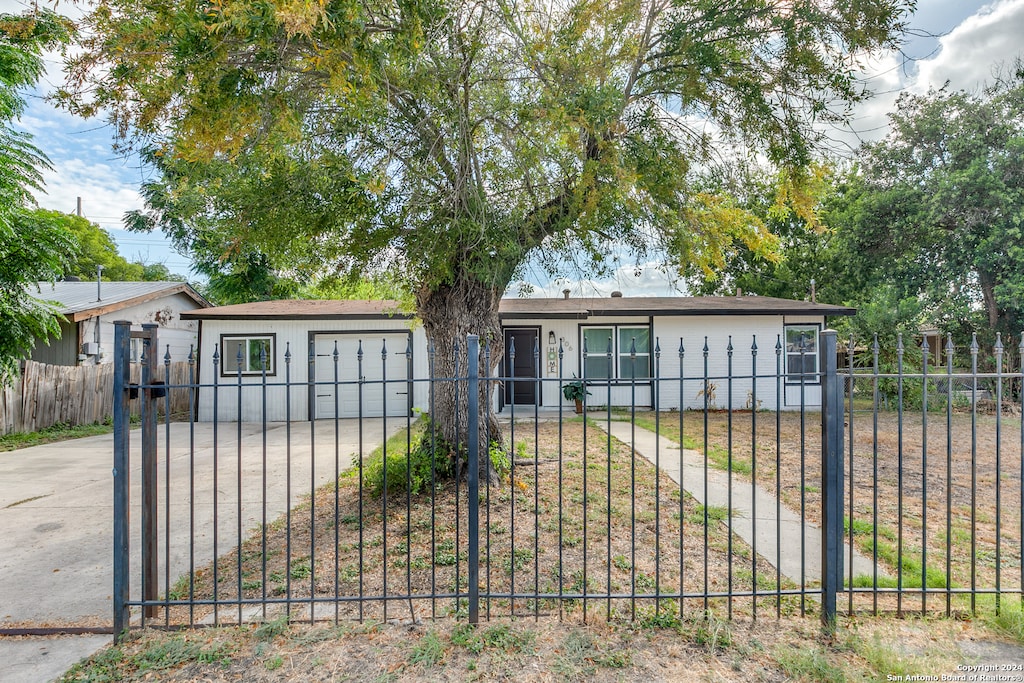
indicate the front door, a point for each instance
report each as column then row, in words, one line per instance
column 522, row 390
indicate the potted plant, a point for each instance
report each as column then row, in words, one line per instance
column 575, row 391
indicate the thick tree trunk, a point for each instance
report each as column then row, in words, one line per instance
column 988, row 293
column 449, row 314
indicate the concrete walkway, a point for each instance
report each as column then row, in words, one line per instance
column 56, row 517
column 800, row 542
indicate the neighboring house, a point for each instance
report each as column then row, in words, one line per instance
column 90, row 309
column 310, row 331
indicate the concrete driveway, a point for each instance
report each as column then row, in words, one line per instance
column 56, row 513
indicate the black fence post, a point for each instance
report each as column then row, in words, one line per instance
column 122, row 378
column 831, row 480
column 147, row 415
column 473, row 448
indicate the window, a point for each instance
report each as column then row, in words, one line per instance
column 802, row 354
column 630, row 349
column 251, row 347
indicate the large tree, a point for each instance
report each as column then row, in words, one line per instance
column 30, row 250
column 453, row 140
column 939, row 203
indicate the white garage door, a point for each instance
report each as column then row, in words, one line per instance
column 379, row 397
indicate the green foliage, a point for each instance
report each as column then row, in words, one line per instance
column 30, row 250
column 936, row 206
column 428, row 651
column 451, row 151
column 95, row 247
column 575, row 390
column 404, row 465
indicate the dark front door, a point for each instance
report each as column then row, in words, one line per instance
column 522, row 391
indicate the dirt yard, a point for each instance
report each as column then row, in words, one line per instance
column 899, row 491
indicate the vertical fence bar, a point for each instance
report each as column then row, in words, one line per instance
column 473, row 476
column 150, row 565
column 899, row 474
column 753, row 475
column 925, row 353
column 974, row 473
column 707, row 408
column 997, row 350
column 874, row 476
column 122, row 337
column 167, row 486
column 728, row 471
column 193, row 386
column 240, row 365
column 1020, row 395
column 831, row 480
column 778, row 476
column 682, row 487
column 848, row 392
column 949, row 474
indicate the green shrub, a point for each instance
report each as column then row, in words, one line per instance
column 406, row 470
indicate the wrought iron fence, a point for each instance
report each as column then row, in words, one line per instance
column 735, row 480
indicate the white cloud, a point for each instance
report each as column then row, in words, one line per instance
column 972, row 51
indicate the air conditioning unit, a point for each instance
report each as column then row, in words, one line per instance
column 90, row 348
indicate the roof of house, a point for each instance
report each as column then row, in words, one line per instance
column 81, row 300
column 578, row 308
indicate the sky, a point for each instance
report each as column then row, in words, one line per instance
column 960, row 41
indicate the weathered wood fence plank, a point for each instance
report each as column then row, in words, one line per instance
column 45, row 395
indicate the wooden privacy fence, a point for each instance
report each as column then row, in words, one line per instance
column 45, row 395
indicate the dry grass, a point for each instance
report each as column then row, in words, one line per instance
column 900, row 489
column 594, row 532
column 695, row 649
column 576, row 522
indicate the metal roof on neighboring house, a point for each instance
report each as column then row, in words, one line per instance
column 529, row 308
column 80, row 300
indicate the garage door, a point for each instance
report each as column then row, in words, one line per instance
column 378, row 397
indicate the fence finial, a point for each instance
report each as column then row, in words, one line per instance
column 167, row 355
column 287, row 353
column 974, row 344
column 753, row 345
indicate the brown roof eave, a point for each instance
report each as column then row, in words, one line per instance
column 212, row 314
column 113, row 306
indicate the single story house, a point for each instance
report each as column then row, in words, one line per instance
column 90, row 309
column 611, row 342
